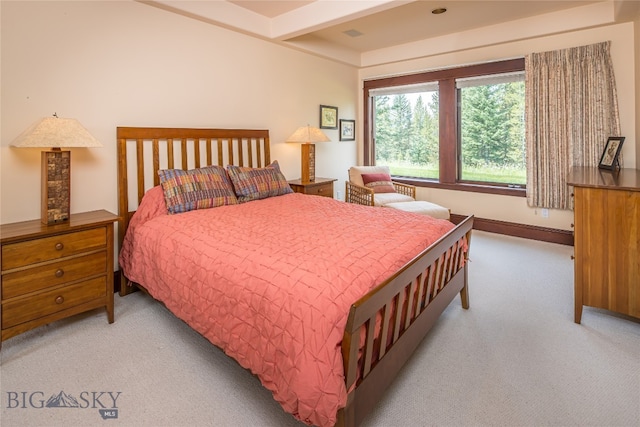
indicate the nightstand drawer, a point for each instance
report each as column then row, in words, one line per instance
column 319, row 187
column 38, row 250
column 320, row 190
column 45, row 276
column 22, row 310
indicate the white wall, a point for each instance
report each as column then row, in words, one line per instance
column 503, row 46
column 124, row 63
column 112, row 64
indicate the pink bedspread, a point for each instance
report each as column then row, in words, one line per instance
column 271, row 281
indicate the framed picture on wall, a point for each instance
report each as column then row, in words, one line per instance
column 609, row 157
column 347, row 130
column 328, row 117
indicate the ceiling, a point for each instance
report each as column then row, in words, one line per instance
column 271, row 9
column 349, row 28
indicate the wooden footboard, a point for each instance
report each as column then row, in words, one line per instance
column 396, row 316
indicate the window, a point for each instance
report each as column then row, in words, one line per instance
column 406, row 129
column 491, row 135
column 459, row 128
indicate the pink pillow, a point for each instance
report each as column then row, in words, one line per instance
column 378, row 182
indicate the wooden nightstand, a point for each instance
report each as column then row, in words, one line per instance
column 319, row 187
column 50, row 272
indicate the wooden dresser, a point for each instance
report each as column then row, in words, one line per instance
column 319, row 187
column 49, row 272
column 607, row 239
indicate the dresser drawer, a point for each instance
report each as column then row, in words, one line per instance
column 45, row 276
column 38, row 250
column 22, row 310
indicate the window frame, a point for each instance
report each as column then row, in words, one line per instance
column 449, row 146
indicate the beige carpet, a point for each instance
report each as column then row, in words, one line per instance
column 514, row 359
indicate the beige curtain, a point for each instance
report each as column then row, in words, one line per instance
column 571, row 110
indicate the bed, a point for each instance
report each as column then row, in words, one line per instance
column 324, row 301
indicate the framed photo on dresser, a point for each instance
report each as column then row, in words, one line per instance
column 609, row 158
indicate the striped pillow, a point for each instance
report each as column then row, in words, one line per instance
column 258, row 183
column 378, row 182
column 202, row 188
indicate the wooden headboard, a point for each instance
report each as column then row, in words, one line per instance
column 143, row 151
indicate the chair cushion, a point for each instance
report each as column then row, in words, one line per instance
column 421, row 207
column 378, row 182
column 383, row 199
column 355, row 173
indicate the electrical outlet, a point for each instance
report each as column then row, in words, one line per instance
column 545, row 213
column 339, row 195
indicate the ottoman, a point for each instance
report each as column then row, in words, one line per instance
column 421, row 207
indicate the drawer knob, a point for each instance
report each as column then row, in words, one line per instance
column 59, row 246
column 59, row 299
column 59, row 272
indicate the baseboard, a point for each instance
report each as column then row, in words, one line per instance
column 552, row 235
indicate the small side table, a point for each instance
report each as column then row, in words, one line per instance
column 319, row 187
column 51, row 272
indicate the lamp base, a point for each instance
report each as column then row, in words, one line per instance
column 56, row 186
column 308, row 173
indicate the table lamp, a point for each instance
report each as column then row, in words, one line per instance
column 308, row 136
column 56, row 133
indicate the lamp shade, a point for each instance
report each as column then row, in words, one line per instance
column 308, row 134
column 55, row 132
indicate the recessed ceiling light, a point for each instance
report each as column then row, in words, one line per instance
column 353, row 33
column 439, row 10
